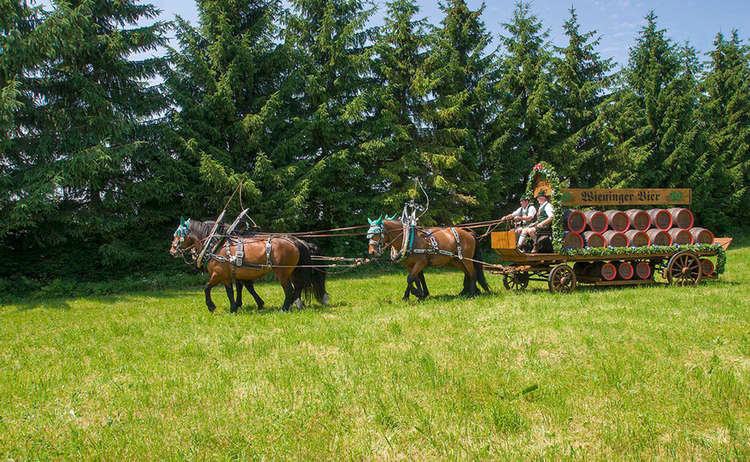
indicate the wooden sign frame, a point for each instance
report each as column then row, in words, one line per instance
column 634, row 196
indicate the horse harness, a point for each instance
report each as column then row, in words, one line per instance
column 434, row 248
column 237, row 260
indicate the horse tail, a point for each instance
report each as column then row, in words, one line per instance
column 318, row 277
column 303, row 273
column 478, row 266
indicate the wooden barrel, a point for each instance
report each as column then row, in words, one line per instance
column 643, row 270
column 637, row 238
column 596, row 220
column 618, row 220
column 615, row 238
column 639, row 219
column 660, row 219
column 581, row 268
column 625, row 270
column 606, row 271
column 659, row 237
column 572, row 240
column 682, row 218
column 702, row 236
column 574, row 220
column 707, row 267
column 680, row 236
column 594, row 239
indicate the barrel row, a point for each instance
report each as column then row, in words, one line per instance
column 636, row 238
column 632, row 228
column 626, row 270
column 618, row 220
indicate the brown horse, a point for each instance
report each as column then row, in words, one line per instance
column 287, row 257
column 390, row 233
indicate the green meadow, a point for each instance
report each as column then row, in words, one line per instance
column 602, row 374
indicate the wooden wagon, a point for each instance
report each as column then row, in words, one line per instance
column 564, row 269
column 678, row 267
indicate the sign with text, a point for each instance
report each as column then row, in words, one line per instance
column 635, row 196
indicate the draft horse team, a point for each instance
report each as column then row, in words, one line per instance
column 238, row 260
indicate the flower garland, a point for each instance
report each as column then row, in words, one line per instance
column 544, row 171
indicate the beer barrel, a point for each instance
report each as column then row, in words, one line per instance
column 615, row 238
column 639, row 219
column 637, row 238
column 682, row 218
column 596, row 220
column 618, row 220
column 581, row 268
column 572, row 240
column 606, row 271
column 594, row 239
column 643, row 270
column 625, row 270
column 659, row 237
column 680, row 236
column 707, row 267
column 574, row 220
column 702, row 236
column 660, row 219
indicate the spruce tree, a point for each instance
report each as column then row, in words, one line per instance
column 332, row 80
column 721, row 174
column 524, row 131
column 636, row 116
column 226, row 81
column 398, row 103
column 458, row 74
column 581, row 86
column 71, row 160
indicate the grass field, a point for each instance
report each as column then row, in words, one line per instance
column 650, row 372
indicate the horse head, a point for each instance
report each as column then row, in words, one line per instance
column 183, row 239
column 375, row 235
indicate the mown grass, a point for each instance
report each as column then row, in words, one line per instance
column 649, row 372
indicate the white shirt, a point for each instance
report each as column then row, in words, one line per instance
column 548, row 209
column 530, row 212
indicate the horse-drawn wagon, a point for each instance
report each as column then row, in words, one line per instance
column 686, row 263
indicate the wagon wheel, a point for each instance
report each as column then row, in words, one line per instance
column 562, row 279
column 516, row 281
column 684, row 269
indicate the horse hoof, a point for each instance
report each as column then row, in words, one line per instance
column 261, row 306
column 211, row 309
column 406, row 299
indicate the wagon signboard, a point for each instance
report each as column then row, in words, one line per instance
column 635, row 196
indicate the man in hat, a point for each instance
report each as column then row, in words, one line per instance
column 543, row 219
column 522, row 214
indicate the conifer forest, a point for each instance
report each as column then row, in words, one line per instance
column 113, row 123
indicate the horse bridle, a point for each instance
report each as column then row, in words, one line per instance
column 379, row 247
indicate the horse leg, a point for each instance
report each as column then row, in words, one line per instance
column 230, row 296
column 470, row 279
column 288, row 295
column 251, row 288
column 207, row 290
column 238, row 302
column 425, row 291
column 412, row 278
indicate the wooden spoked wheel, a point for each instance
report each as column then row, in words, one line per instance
column 684, row 269
column 516, row 281
column 562, row 279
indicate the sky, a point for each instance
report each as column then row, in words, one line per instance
column 616, row 21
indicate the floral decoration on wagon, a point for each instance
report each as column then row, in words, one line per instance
column 543, row 171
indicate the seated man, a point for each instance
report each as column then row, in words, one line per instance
column 543, row 219
column 522, row 214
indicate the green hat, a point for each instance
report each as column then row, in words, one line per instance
column 524, row 197
column 541, row 192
